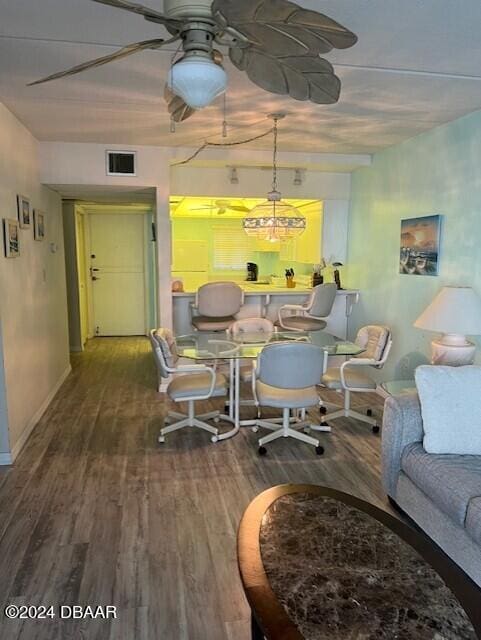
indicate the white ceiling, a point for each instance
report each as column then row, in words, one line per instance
column 417, row 64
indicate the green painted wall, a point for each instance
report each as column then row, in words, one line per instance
column 436, row 172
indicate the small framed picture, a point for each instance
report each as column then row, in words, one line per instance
column 10, row 236
column 38, row 224
column 23, row 208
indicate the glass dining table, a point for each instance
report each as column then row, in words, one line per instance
column 222, row 346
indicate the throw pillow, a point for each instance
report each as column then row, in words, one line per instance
column 450, row 400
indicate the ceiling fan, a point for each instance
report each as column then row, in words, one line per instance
column 223, row 206
column 276, row 42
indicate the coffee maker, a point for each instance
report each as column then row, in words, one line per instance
column 252, row 272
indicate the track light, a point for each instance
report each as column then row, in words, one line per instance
column 297, row 177
column 233, row 177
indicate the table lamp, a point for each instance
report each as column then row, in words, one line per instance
column 455, row 312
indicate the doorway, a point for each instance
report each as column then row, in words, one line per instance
column 111, row 269
column 118, row 274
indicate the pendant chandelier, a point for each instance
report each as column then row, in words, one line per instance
column 273, row 219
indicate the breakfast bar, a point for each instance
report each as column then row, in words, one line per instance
column 264, row 300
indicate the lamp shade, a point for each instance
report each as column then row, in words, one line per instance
column 197, row 80
column 455, row 310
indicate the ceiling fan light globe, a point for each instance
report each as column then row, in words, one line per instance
column 197, row 80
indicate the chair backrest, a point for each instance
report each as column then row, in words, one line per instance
column 219, row 299
column 164, row 350
column 251, row 325
column 290, row 365
column 321, row 300
column 376, row 341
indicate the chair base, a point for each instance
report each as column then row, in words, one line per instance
column 350, row 413
column 191, row 420
column 290, row 428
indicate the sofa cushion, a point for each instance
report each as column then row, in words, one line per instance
column 451, row 408
column 451, row 481
column 473, row 520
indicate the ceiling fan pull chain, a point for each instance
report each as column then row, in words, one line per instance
column 224, row 121
column 274, row 159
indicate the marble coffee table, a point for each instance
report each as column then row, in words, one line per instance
column 318, row 564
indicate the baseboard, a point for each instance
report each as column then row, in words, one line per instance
column 5, row 459
column 36, row 417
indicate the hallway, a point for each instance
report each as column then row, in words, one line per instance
column 95, row 512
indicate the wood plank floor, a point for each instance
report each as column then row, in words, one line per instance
column 95, row 512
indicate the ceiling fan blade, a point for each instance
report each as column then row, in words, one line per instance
column 241, row 208
column 121, row 53
column 306, row 204
column 301, row 77
column 178, row 109
column 282, row 28
column 134, row 7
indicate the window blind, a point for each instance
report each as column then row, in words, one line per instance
column 231, row 247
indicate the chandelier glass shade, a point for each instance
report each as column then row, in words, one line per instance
column 198, row 80
column 274, row 220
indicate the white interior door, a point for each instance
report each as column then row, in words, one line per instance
column 117, row 271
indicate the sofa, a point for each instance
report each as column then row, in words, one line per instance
column 441, row 493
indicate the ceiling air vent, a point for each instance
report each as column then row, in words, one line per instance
column 121, row 163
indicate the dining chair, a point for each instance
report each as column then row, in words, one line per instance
column 215, row 306
column 246, row 330
column 311, row 315
column 351, row 376
column 197, row 382
column 285, row 378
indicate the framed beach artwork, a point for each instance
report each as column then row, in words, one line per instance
column 420, row 240
column 24, row 214
column 10, row 237
column 38, row 224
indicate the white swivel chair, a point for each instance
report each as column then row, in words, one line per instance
column 198, row 382
column 248, row 329
column 351, row 376
column 215, row 306
column 285, row 378
column 245, row 329
column 311, row 315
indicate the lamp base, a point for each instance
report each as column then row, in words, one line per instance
column 453, row 351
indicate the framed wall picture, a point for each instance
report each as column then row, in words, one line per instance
column 38, row 224
column 11, row 238
column 420, row 243
column 24, row 213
